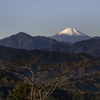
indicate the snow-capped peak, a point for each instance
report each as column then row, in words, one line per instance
column 71, row 32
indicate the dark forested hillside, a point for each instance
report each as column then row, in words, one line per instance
column 7, row 82
column 61, row 47
column 86, row 46
column 54, row 57
column 12, row 54
column 90, row 46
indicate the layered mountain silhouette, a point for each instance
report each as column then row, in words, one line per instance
column 24, row 41
column 71, row 53
column 70, row 35
column 61, row 47
column 90, row 46
column 58, row 57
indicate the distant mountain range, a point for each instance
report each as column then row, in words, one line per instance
column 22, row 40
column 90, row 46
column 21, row 45
column 70, row 35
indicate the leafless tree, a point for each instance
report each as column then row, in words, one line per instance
column 48, row 77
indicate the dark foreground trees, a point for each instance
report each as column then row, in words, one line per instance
column 48, row 76
column 22, row 92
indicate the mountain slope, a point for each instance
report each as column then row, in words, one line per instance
column 7, row 82
column 61, row 47
column 25, row 41
column 70, row 35
column 91, row 46
column 11, row 54
column 58, row 57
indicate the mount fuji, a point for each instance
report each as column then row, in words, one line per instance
column 70, row 35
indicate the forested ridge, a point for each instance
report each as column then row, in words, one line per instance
column 85, row 89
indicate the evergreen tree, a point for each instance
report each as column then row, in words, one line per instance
column 22, row 92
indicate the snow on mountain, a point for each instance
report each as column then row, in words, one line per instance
column 71, row 31
column 70, row 35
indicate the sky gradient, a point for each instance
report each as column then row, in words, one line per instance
column 49, row 17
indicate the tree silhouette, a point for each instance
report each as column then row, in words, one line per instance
column 45, row 77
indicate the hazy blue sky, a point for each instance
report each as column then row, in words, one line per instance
column 48, row 17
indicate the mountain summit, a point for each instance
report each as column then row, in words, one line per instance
column 70, row 35
column 71, row 32
column 23, row 40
